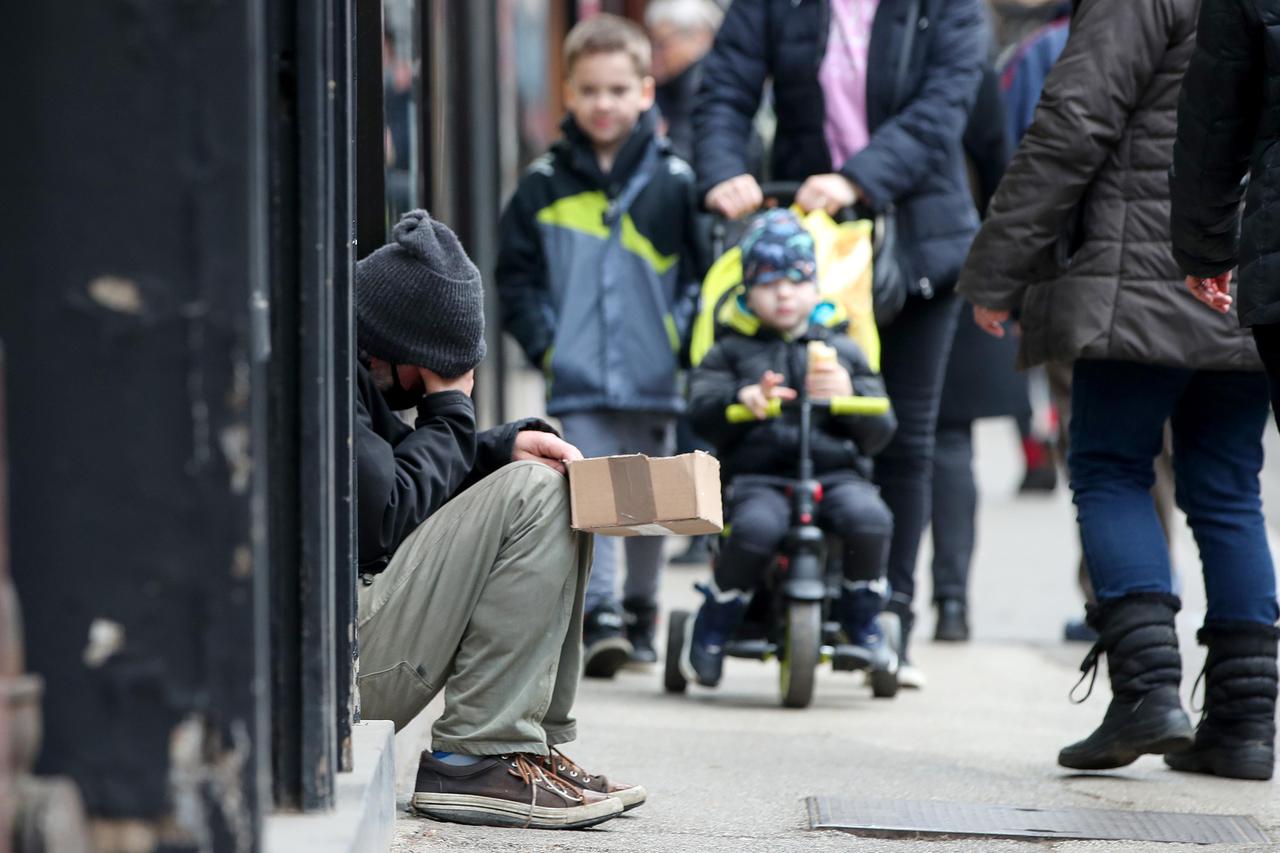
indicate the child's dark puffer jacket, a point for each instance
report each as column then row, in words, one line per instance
column 772, row 446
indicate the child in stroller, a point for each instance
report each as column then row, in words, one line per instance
column 782, row 340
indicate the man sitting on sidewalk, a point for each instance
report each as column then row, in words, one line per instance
column 477, row 592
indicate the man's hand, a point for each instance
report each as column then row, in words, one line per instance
column 735, row 197
column 436, row 383
column 828, row 380
column 831, row 192
column 990, row 320
column 545, row 447
column 756, row 397
column 1214, row 292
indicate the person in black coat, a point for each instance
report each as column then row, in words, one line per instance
column 850, row 132
column 1228, row 127
column 981, row 382
column 471, row 580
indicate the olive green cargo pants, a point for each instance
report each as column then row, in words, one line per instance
column 484, row 601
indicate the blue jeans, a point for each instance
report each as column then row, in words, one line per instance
column 1118, row 413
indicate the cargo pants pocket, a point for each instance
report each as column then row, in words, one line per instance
column 397, row 694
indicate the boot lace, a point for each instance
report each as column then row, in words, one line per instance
column 526, row 767
column 1194, row 687
column 1088, row 669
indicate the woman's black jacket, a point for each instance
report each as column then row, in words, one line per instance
column 915, row 160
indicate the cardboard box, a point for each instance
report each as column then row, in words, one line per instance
column 638, row 496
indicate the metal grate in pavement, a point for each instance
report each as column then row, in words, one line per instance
column 927, row 817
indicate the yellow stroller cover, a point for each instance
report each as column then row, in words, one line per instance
column 844, row 251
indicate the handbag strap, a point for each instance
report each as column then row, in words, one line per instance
column 904, row 58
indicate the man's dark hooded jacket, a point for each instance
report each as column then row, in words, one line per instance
column 914, row 160
column 404, row 473
column 1228, row 125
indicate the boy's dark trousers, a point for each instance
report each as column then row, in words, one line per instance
column 759, row 514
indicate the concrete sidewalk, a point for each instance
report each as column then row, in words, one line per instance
column 727, row 770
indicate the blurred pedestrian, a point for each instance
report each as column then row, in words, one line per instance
column 981, row 382
column 1076, row 240
column 1228, row 125
column 889, row 140
column 596, row 282
column 682, row 31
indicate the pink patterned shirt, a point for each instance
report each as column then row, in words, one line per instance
column 843, row 77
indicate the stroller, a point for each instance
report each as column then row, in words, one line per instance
column 791, row 612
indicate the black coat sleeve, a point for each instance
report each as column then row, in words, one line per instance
column 400, row 485
column 1218, row 110
column 713, row 387
column 495, row 447
column 915, row 142
column 871, row 433
column 733, row 76
column 985, row 141
column 523, row 289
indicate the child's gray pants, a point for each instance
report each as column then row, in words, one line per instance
column 610, row 433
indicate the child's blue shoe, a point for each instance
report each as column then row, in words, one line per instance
column 859, row 610
column 714, row 626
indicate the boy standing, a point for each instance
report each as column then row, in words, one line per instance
column 767, row 352
column 594, row 273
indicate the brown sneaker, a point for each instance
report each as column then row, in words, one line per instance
column 509, row 790
column 565, row 770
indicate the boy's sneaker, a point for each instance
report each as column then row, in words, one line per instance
column 506, row 790
column 714, row 626
column 641, row 618
column 605, row 648
column 559, row 765
column 911, row 676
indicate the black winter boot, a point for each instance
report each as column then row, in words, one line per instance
column 641, row 617
column 1237, row 734
column 1145, row 715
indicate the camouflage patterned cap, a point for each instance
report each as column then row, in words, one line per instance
column 777, row 246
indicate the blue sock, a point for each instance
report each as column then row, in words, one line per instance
column 455, row 758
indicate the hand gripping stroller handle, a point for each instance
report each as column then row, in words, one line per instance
column 837, row 406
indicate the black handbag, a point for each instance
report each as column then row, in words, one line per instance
column 891, row 279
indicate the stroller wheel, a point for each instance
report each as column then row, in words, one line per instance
column 673, row 680
column 801, row 653
column 884, row 684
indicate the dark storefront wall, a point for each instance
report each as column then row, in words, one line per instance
column 175, row 311
column 134, row 185
column 180, row 206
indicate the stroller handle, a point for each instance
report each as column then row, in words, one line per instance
column 837, row 406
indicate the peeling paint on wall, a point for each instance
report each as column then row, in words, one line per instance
column 117, row 294
column 106, row 638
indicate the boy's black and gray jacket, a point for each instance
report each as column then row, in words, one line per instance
column 405, row 473
column 772, row 447
column 598, row 273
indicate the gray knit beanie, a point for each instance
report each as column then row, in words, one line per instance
column 420, row 301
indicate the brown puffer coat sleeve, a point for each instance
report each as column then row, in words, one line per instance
column 1111, row 57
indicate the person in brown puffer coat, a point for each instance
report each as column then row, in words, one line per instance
column 1077, row 244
